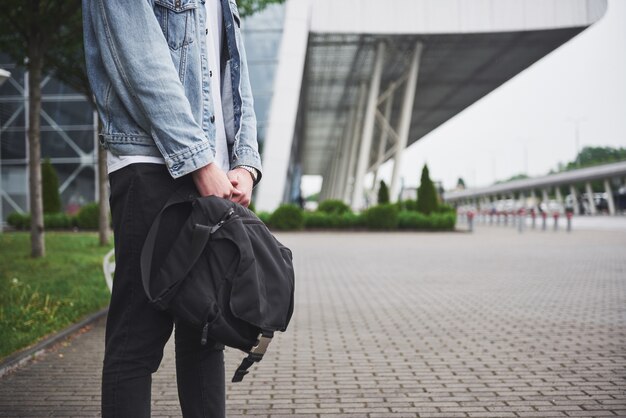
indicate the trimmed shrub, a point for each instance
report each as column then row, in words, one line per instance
column 318, row 219
column 434, row 221
column 381, row 217
column 87, row 217
column 264, row 217
column 426, row 194
column 58, row 221
column 333, row 206
column 50, row 188
column 21, row 221
column 287, row 217
column 383, row 193
column 443, row 208
column 347, row 220
column 351, row 220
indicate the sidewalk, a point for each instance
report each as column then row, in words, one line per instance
column 490, row 324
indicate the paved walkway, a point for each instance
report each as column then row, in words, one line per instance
column 490, row 324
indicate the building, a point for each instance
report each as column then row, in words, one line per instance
column 340, row 87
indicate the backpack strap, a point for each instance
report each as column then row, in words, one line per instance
column 254, row 355
column 182, row 256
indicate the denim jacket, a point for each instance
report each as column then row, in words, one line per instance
column 148, row 70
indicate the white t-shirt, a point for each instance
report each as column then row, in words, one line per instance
column 213, row 43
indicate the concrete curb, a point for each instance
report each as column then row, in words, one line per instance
column 22, row 357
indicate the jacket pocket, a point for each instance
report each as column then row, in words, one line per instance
column 177, row 19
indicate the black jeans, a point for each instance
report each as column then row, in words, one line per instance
column 136, row 332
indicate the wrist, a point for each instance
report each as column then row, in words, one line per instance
column 254, row 174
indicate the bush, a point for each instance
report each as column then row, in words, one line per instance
column 264, row 217
column 21, row 221
column 350, row 220
column 381, row 217
column 434, row 221
column 287, row 217
column 426, row 194
column 319, row 219
column 50, row 188
column 347, row 220
column 58, row 221
column 443, row 208
column 87, row 217
column 383, row 193
column 333, row 206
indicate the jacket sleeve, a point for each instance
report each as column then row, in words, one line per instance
column 129, row 36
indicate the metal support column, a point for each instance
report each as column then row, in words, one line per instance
column 609, row 196
column 368, row 128
column 574, row 193
column 590, row 200
column 405, row 118
column 354, row 146
column 384, row 135
column 559, row 196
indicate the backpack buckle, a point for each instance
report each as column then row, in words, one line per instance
column 261, row 346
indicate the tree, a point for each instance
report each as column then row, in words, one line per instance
column 426, row 194
column 50, row 188
column 460, row 184
column 590, row 156
column 383, row 193
column 67, row 61
column 28, row 30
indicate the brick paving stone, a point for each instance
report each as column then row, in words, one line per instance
column 493, row 323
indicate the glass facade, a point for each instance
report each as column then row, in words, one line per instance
column 67, row 139
column 68, row 121
column 262, row 34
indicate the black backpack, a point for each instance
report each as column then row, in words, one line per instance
column 213, row 263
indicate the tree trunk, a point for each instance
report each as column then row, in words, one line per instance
column 35, row 58
column 103, row 195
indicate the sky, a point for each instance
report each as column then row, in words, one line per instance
column 528, row 125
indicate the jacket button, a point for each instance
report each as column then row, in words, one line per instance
column 212, row 119
column 210, row 73
column 206, row 31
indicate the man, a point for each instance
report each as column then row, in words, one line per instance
column 171, row 85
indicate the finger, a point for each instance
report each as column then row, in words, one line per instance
column 237, row 192
column 234, row 182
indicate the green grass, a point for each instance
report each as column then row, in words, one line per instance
column 41, row 296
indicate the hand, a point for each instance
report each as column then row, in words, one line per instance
column 210, row 180
column 242, row 180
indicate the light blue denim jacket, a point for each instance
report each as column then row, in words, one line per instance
column 148, row 70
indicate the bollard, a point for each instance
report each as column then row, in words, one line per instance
column 555, row 215
column 569, row 215
column 470, row 220
column 521, row 220
column 544, row 216
column 533, row 215
column 506, row 218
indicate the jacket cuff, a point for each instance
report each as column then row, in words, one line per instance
column 251, row 158
column 189, row 160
